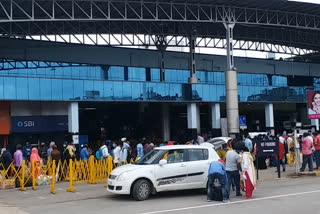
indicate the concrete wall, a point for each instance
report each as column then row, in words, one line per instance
column 73, row 53
column 38, row 108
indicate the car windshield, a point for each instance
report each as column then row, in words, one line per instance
column 152, row 157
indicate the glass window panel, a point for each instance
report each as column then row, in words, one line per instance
column 89, row 89
column 137, row 74
column 57, row 89
column 67, row 72
column 34, row 88
column 100, row 73
column 91, row 72
column 58, row 72
column 155, row 75
column 50, row 72
column 78, row 89
column 67, row 89
column 1, row 88
column 137, row 92
column 5, row 72
column 41, row 72
column 10, row 88
column 32, row 72
column 117, row 90
column 116, row 73
column 180, row 76
column 279, row 81
column 83, row 72
column 127, row 90
column 22, row 88
column 46, row 89
column 108, row 90
column 75, row 72
column 98, row 88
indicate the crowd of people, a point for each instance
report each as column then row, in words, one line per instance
column 235, row 169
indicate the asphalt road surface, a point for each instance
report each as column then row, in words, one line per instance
column 288, row 195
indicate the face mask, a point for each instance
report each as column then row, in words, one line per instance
column 226, row 149
column 114, row 145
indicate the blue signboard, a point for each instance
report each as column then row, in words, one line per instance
column 36, row 124
column 242, row 121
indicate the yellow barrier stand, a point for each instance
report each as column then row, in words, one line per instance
column 22, row 188
column 109, row 169
column 53, row 177
column 33, row 175
column 70, row 189
column 92, row 170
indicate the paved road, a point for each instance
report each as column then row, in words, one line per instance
column 294, row 195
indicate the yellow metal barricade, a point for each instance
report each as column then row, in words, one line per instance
column 71, row 169
column 53, row 177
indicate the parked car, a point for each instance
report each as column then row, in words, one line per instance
column 217, row 142
column 165, row 168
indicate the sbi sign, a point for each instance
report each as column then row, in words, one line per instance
column 25, row 124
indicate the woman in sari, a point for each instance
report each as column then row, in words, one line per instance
column 248, row 173
column 34, row 157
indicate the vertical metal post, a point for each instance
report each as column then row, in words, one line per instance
column 231, row 85
column 162, row 70
column 161, row 46
column 193, row 77
column 296, row 151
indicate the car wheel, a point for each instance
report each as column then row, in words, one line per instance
column 141, row 190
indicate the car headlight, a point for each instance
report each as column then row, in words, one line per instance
column 123, row 176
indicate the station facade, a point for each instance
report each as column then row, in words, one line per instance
column 134, row 93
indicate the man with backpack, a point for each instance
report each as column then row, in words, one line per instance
column 103, row 152
column 217, row 182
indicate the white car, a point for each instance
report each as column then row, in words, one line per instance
column 164, row 169
column 218, row 142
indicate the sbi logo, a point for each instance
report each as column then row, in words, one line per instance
column 20, row 124
column 25, row 124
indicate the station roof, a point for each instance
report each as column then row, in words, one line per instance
column 63, row 23
column 282, row 5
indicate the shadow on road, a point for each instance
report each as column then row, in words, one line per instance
column 161, row 195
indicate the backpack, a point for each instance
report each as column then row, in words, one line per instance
column 99, row 154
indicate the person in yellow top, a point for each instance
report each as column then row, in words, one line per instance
column 291, row 155
column 72, row 150
column 222, row 153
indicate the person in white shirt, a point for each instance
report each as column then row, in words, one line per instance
column 116, row 153
column 105, row 151
column 200, row 139
column 124, row 152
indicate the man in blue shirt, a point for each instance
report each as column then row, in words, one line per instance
column 84, row 154
column 140, row 149
column 217, row 181
column 248, row 144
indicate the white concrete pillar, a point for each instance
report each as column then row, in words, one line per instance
column 215, row 116
column 232, row 104
column 315, row 122
column 165, row 122
column 73, row 117
column 194, row 118
column 269, row 116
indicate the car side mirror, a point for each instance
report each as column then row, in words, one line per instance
column 163, row 162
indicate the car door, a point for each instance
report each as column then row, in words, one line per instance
column 198, row 165
column 173, row 175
